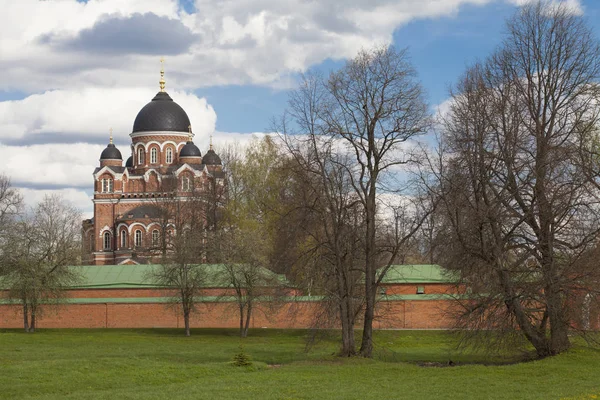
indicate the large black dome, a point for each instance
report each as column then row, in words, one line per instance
column 111, row 153
column 161, row 114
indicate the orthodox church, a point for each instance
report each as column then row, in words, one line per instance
column 127, row 197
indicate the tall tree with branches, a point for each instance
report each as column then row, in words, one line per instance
column 251, row 218
column 44, row 242
column 326, row 210
column 182, row 218
column 371, row 109
column 520, row 207
column 243, row 270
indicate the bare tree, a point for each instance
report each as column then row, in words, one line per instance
column 43, row 243
column 520, row 208
column 328, row 212
column 254, row 287
column 244, row 242
column 371, row 108
column 182, row 218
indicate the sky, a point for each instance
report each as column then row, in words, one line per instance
column 71, row 70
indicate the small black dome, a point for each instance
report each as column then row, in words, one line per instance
column 129, row 162
column 211, row 158
column 161, row 114
column 111, row 153
column 190, row 150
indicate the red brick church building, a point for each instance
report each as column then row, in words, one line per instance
column 123, row 229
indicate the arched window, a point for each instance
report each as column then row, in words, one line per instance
column 169, row 155
column 107, row 185
column 106, row 241
column 123, row 239
column 138, row 238
column 155, row 236
column 141, row 156
column 185, row 184
column 153, row 155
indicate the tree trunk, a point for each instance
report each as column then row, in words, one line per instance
column 241, row 306
column 186, row 321
column 536, row 337
column 559, row 339
column 25, row 317
column 32, row 324
column 348, row 345
column 248, row 316
column 366, row 346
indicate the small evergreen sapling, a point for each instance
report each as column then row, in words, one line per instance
column 242, row 359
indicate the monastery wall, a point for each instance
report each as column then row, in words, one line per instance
column 408, row 314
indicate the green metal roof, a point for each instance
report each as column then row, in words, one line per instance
column 135, row 276
column 122, row 276
column 418, row 273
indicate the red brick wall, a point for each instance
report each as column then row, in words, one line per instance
column 413, row 314
column 430, row 288
column 422, row 314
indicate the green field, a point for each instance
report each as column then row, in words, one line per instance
column 162, row 364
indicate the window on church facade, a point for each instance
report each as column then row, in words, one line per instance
column 106, row 241
column 153, row 156
column 169, row 155
column 140, row 156
column 107, row 185
column 185, row 184
column 155, row 236
column 138, row 238
column 123, row 239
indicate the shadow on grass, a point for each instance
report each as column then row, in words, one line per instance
column 272, row 346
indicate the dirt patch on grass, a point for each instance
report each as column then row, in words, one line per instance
column 437, row 364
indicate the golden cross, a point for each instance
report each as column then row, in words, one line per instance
column 190, row 132
column 111, row 140
column 211, row 142
column 162, row 75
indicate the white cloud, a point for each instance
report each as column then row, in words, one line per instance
column 222, row 139
column 51, row 165
column 58, row 165
column 87, row 114
column 232, row 42
column 574, row 6
column 77, row 198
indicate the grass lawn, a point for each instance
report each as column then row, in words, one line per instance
column 162, row 364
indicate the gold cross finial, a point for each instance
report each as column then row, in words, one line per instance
column 162, row 74
column 111, row 141
column 211, row 142
column 190, row 132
